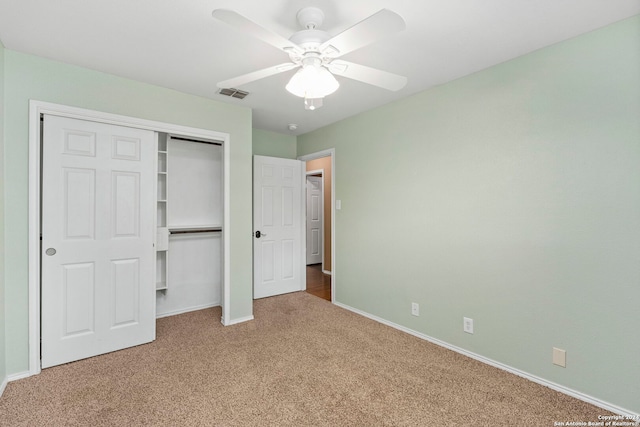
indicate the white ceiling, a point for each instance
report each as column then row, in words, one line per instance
column 177, row 44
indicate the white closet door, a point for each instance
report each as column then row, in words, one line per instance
column 277, row 216
column 98, row 210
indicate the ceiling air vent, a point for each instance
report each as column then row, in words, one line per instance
column 234, row 93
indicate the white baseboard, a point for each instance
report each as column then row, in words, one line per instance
column 238, row 320
column 13, row 377
column 557, row 387
column 18, row 376
column 186, row 310
column 3, row 385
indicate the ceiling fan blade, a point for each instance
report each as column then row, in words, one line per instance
column 369, row 75
column 256, row 75
column 243, row 24
column 378, row 26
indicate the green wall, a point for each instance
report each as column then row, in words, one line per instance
column 273, row 144
column 3, row 364
column 30, row 77
column 511, row 196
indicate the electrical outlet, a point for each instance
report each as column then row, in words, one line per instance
column 559, row 357
column 415, row 309
column 467, row 325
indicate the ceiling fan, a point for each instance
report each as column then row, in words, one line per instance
column 315, row 52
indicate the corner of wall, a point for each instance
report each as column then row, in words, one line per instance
column 3, row 367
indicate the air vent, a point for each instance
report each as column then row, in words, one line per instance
column 234, row 93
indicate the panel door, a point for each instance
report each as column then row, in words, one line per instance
column 277, row 215
column 314, row 219
column 98, row 210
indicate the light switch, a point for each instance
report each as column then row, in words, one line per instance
column 338, row 205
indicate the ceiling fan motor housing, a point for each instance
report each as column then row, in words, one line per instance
column 310, row 17
column 310, row 39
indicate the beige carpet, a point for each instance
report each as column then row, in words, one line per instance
column 302, row 362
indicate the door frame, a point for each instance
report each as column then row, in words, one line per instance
column 331, row 152
column 307, row 175
column 36, row 110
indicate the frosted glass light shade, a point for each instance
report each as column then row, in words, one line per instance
column 312, row 82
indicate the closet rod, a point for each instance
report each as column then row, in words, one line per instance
column 203, row 230
column 181, row 138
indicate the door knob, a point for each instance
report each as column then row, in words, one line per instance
column 259, row 234
column 50, row 251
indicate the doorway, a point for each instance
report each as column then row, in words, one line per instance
column 321, row 275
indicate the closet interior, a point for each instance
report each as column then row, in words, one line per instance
column 189, row 224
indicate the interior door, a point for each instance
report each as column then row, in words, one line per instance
column 314, row 219
column 277, row 226
column 98, row 219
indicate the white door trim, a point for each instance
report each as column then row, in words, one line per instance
column 321, row 173
column 36, row 109
column 331, row 152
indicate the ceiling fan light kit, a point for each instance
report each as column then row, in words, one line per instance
column 312, row 103
column 314, row 51
column 312, row 80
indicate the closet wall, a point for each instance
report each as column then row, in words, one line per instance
column 189, row 244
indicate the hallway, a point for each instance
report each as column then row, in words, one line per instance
column 318, row 283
